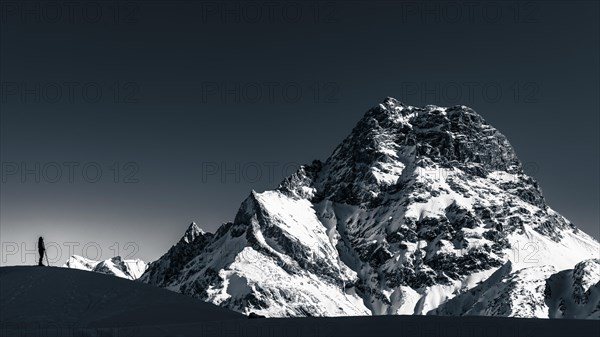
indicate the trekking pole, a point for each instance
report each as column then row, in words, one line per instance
column 46, row 255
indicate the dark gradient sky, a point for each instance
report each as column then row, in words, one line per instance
column 191, row 88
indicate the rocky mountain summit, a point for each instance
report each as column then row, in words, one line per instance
column 418, row 211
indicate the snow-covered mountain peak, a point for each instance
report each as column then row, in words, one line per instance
column 416, row 206
column 393, row 143
column 79, row 262
column 448, row 136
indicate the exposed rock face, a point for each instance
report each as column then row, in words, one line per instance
column 414, row 207
column 163, row 271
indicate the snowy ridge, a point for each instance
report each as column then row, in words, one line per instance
column 417, row 206
column 128, row 269
column 537, row 291
column 519, row 294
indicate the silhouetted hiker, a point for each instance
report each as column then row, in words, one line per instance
column 41, row 250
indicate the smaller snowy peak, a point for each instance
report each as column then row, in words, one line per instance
column 81, row 263
column 192, row 233
column 115, row 266
column 276, row 259
column 129, row 269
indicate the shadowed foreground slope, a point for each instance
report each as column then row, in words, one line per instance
column 63, row 299
column 38, row 301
